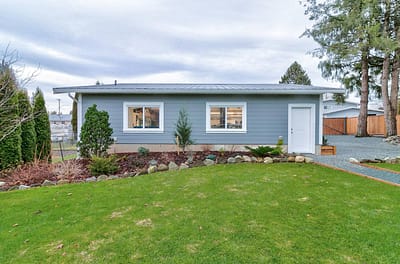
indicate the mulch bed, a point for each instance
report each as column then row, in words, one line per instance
column 129, row 163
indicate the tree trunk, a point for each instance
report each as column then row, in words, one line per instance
column 362, row 117
column 385, row 95
column 394, row 93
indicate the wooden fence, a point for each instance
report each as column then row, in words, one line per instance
column 348, row 125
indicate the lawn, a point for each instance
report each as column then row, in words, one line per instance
column 243, row 213
column 388, row 166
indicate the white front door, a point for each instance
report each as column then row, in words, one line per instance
column 301, row 134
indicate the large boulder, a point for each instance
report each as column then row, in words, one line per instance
column 162, row 167
column 172, row 166
column 354, row 160
column 2, row 183
column 239, row 159
column 246, row 158
column 152, row 169
column 231, row 160
column 102, row 178
column 299, row 159
column 268, row 160
column 91, row 179
column 308, row 160
column 23, row 187
column 208, row 162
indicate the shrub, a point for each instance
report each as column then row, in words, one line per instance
column 42, row 127
column 28, row 134
column 67, row 169
column 260, row 151
column 103, row 165
column 183, row 130
column 96, row 133
column 143, row 152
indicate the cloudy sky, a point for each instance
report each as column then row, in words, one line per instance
column 209, row 41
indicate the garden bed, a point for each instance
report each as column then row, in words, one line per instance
column 129, row 165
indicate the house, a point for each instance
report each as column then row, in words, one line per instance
column 60, row 127
column 228, row 116
column 332, row 109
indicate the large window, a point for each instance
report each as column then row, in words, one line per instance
column 226, row 117
column 143, row 117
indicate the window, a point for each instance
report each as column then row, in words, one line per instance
column 226, row 117
column 143, row 117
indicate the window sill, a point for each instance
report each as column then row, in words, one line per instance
column 226, row 131
column 142, row 131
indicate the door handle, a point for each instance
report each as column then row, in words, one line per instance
column 291, row 131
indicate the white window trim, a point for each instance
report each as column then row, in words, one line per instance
column 127, row 129
column 226, row 104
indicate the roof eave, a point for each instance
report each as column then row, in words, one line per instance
column 198, row 91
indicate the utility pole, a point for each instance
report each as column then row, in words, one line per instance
column 59, row 107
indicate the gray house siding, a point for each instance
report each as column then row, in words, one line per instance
column 267, row 117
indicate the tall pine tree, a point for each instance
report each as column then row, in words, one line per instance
column 42, row 127
column 10, row 129
column 28, row 134
column 295, row 74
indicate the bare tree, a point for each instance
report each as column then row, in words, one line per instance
column 10, row 85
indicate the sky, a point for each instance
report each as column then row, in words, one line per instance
column 70, row 43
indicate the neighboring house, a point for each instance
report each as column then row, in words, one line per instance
column 61, row 127
column 347, row 109
column 228, row 116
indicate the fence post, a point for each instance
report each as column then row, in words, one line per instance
column 345, row 125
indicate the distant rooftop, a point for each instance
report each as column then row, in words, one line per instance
column 187, row 88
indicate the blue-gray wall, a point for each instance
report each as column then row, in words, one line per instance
column 267, row 117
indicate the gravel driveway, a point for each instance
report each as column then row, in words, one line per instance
column 361, row 148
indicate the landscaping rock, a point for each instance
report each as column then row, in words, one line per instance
column 15, row 187
column 2, row 183
column 260, row 160
column 153, row 162
column 48, row 183
column 208, row 162
column 183, row 166
column 308, row 160
column 391, row 161
column 172, row 166
column 60, row 182
column 276, row 160
column 291, row 159
column 246, row 158
column 353, row 160
column 231, row 160
column 152, row 169
column 23, row 187
column 162, row 167
column 91, row 179
column 142, row 171
column 222, row 161
column 102, row 178
column 254, row 159
column 114, row 177
column 268, row 160
column 211, row 157
column 239, row 159
column 299, row 159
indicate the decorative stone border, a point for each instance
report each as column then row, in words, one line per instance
column 172, row 166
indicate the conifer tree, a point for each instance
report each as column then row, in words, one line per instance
column 10, row 129
column 295, row 75
column 183, row 130
column 28, row 134
column 95, row 137
column 42, row 127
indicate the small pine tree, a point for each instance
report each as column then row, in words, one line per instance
column 42, row 127
column 28, row 134
column 295, row 75
column 183, row 130
column 10, row 147
column 95, row 137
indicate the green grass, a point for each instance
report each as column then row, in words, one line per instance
column 393, row 167
column 244, row 213
column 56, row 159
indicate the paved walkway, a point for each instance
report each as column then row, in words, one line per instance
column 361, row 148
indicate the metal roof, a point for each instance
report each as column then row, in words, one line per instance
column 187, row 88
